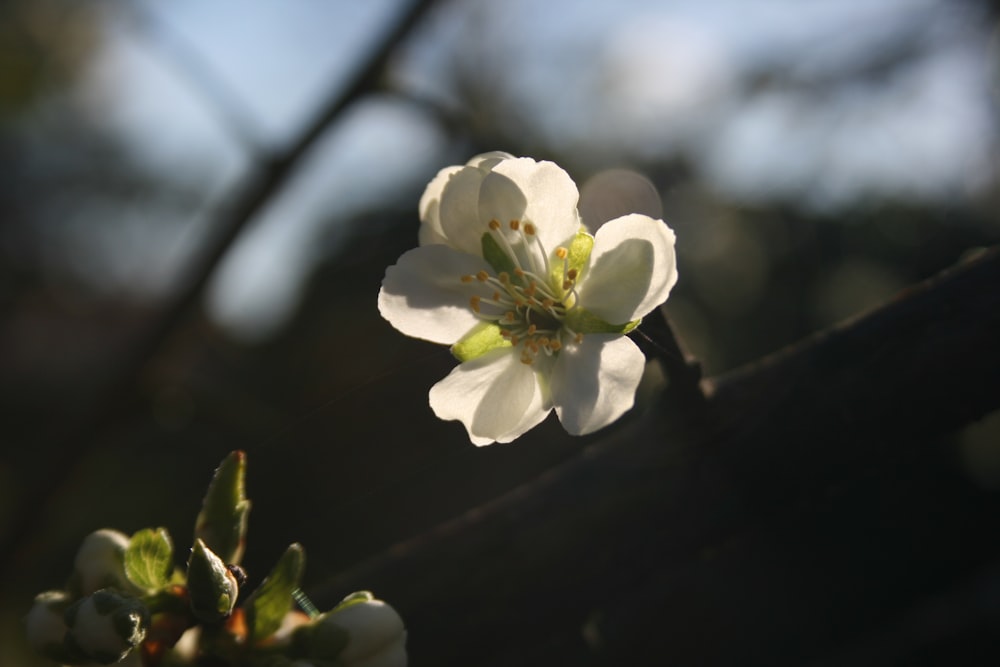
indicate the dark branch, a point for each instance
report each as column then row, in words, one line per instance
column 676, row 528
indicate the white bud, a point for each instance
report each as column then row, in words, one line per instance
column 106, row 626
column 44, row 624
column 376, row 635
column 100, row 562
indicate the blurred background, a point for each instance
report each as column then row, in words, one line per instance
column 813, row 159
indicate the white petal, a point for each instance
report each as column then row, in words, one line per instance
column 459, row 210
column 423, row 294
column 496, row 397
column 632, row 269
column 489, row 160
column 594, row 382
column 539, row 192
column 430, row 204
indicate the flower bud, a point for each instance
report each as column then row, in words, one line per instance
column 46, row 629
column 105, row 626
column 212, row 585
column 100, row 563
column 359, row 632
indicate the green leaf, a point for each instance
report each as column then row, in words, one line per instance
column 579, row 253
column 149, row 559
column 483, row 338
column 496, row 255
column 222, row 522
column 583, row 321
column 273, row 598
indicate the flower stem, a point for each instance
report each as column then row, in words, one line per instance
column 683, row 370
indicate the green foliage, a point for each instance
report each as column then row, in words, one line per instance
column 149, row 559
column 212, row 587
column 496, row 256
column 483, row 338
column 222, row 522
column 273, row 598
column 583, row 321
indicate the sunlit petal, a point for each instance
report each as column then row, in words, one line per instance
column 593, row 382
column 632, row 269
column 496, row 397
column 459, row 210
column 430, row 204
column 539, row 192
column 423, row 294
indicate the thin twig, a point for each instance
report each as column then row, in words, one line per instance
column 117, row 392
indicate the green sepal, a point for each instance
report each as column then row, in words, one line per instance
column 212, row 587
column 579, row 253
column 358, row 597
column 483, row 338
column 583, row 321
column 222, row 522
column 149, row 559
column 497, row 256
column 266, row 608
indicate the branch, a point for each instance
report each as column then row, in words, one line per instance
column 117, row 393
column 681, row 527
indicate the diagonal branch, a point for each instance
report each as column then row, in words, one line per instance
column 634, row 537
column 117, row 392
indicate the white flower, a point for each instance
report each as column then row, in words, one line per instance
column 533, row 306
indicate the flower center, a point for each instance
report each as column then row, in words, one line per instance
column 530, row 311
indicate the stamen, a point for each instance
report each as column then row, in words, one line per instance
column 509, row 316
column 527, row 359
column 494, row 224
column 532, row 329
column 496, row 296
column 514, row 224
column 514, row 340
column 571, row 274
column 467, row 279
column 562, row 253
column 555, row 345
column 578, row 338
column 474, row 303
column 529, row 229
column 504, row 277
column 482, row 276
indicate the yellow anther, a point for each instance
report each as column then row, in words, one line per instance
column 509, row 316
column 482, row 276
column 555, row 346
column 504, row 277
column 474, row 303
column 562, row 253
column 543, row 341
column 514, row 224
column 494, row 225
column 467, row 279
column 519, row 272
column 496, row 296
column 547, row 303
column 505, row 333
column 532, row 329
column 567, row 284
column 527, row 359
column 529, row 229
column 571, row 274
column 532, row 288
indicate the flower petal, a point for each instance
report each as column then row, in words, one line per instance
column 459, row 210
column 632, row 269
column 593, row 382
column 430, row 204
column 495, row 396
column 489, row 160
column 539, row 192
column 423, row 294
